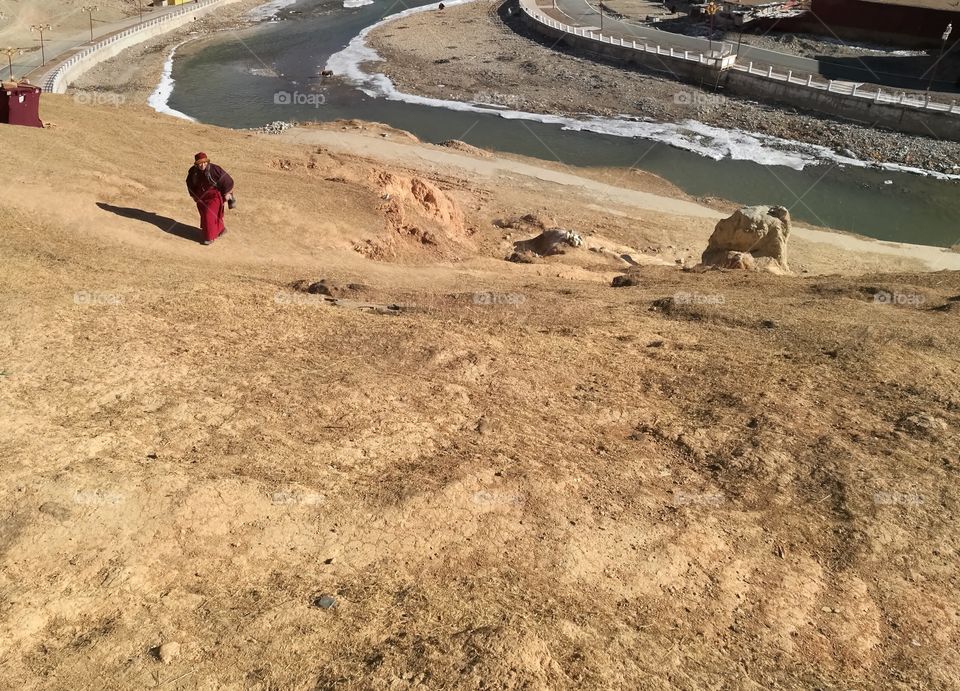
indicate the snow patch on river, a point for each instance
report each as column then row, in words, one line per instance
column 159, row 99
column 269, row 11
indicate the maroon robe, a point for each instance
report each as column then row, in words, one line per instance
column 208, row 188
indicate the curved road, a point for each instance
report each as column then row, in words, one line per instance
column 582, row 13
column 59, row 46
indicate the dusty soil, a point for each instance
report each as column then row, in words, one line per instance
column 471, row 53
column 442, row 469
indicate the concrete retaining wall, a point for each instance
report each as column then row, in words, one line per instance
column 688, row 69
column 940, row 124
column 71, row 69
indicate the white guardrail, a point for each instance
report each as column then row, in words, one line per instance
column 830, row 86
column 52, row 82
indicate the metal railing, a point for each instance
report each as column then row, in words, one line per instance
column 830, row 86
column 854, row 89
column 52, row 80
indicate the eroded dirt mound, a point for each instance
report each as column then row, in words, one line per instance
column 419, row 215
column 372, row 127
column 463, row 147
column 529, row 222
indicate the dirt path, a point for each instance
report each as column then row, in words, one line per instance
column 934, row 258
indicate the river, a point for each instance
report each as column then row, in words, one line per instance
column 233, row 79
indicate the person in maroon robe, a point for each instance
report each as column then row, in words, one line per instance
column 209, row 186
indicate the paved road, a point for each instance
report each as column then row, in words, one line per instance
column 58, row 46
column 585, row 13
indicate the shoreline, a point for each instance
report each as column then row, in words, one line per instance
column 852, row 244
column 138, row 74
column 159, row 100
column 664, row 110
column 930, row 255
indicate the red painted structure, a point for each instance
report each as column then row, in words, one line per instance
column 20, row 105
column 882, row 22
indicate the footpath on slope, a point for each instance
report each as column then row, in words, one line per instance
column 936, row 258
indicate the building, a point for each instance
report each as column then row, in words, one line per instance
column 743, row 13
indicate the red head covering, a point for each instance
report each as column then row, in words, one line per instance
column 200, row 158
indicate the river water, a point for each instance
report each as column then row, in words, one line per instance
column 233, row 79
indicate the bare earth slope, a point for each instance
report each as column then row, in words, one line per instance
column 504, row 475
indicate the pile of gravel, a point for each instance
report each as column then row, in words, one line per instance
column 276, row 127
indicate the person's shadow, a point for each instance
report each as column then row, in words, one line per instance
column 167, row 225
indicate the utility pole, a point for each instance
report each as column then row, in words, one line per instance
column 10, row 52
column 712, row 8
column 90, row 9
column 943, row 44
column 40, row 28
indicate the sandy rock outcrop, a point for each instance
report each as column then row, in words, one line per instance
column 548, row 242
column 752, row 238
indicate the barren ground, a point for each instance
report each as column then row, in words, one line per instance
column 505, row 475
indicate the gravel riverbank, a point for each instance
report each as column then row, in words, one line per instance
column 459, row 52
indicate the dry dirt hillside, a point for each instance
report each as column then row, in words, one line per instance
column 440, row 469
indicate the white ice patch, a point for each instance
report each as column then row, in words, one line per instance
column 160, row 97
column 356, row 3
column 690, row 135
column 263, row 72
column 268, row 11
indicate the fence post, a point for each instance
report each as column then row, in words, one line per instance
column 876, row 98
column 789, row 75
column 809, row 80
column 770, row 71
column 685, row 55
column 750, row 68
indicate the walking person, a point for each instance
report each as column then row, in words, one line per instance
column 209, row 186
